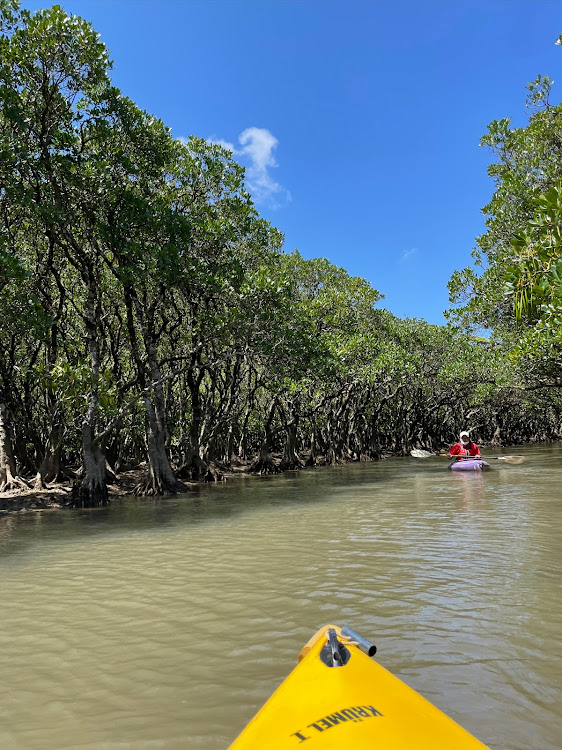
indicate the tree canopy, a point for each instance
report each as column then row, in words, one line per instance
column 149, row 315
column 514, row 290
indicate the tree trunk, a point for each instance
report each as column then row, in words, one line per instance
column 242, row 443
column 195, row 467
column 264, row 463
column 90, row 491
column 291, row 459
column 160, row 479
column 8, row 475
column 50, row 467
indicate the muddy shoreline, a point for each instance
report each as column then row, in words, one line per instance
column 56, row 496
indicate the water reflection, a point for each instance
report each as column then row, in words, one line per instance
column 471, row 489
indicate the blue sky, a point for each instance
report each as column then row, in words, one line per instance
column 358, row 121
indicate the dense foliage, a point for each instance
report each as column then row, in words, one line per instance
column 515, row 290
column 148, row 314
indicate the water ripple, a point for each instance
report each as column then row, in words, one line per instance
column 166, row 624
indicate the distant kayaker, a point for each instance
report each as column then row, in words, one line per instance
column 465, row 447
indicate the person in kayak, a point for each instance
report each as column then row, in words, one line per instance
column 464, row 448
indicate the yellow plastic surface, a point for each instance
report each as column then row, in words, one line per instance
column 360, row 705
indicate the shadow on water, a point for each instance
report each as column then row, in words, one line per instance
column 256, row 494
column 203, row 504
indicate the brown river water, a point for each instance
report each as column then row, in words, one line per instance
column 168, row 623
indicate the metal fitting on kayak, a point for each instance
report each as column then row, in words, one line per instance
column 364, row 645
column 334, row 653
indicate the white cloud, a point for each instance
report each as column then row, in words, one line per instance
column 407, row 254
column 256, row 153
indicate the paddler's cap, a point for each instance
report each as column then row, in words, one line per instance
column 464, row 434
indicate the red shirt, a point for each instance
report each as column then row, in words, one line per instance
column 459, row 449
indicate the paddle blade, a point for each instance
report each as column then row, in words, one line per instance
column 512, row 459
column 418, row 453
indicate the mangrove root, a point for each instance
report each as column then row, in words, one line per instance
column 150, row 487
column 88, row 493
column 11, row 483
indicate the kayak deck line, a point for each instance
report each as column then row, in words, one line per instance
column 338, row 697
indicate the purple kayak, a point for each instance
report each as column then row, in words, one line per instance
column 469, row 464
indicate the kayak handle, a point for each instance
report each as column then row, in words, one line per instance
column 337, row 649
column 364, row 645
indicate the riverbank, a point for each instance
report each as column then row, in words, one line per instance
column 56, row 496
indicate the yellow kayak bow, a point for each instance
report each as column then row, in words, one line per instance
column 338, row 697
